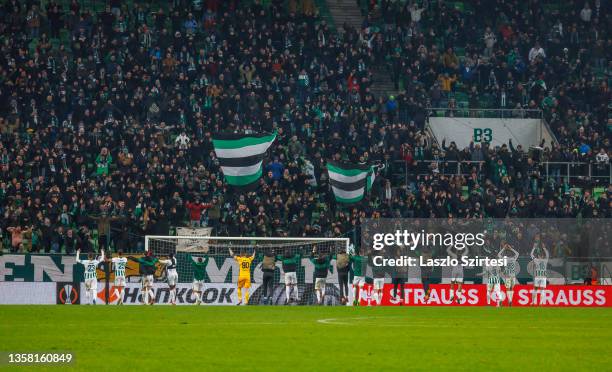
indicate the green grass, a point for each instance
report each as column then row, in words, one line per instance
column 168, row 338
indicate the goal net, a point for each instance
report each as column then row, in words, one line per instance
column 222, row 270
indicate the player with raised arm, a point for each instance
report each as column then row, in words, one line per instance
column 359, row 264
column 91, row 277
column 456, row 272
column 343, row 268
column 244, row 274
column 199, row 270
column 493, row 284
column 321, row 264
column 290, row 264
column 490, row 274
column 268, row 266
column 171, row 276
column 119, row 263
column 147, row 269
column 510, row 269
column 539, row 255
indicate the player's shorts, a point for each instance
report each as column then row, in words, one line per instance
column 320, row 283
column 172, row 278
column 379, row 283
column 359, row 281
column 509, row 281
column 493, row 287
column 91, row 284
column 290, row 278
column 197, row 285
column 120, row 281
column 244, row 282
column 457, row 274
column 148, row 281
column 539, row 282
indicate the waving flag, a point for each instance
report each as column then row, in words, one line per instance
column 350, row 182
column 241, row 156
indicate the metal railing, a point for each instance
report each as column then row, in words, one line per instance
column 556, row 170
column 465, row 112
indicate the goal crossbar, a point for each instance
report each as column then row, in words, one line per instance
column 231, row 238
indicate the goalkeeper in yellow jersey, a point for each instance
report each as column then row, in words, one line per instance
column 244, row 274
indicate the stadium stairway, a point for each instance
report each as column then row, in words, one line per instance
column 347, row 11
column 382, row 84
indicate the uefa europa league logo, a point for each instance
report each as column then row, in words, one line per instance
column 68, row 294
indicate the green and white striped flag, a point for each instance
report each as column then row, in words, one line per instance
column 241, row 156
column 350, row 182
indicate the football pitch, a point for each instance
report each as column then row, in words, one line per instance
column 133, row 338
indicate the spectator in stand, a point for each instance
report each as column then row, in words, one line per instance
column 16, row 238
column 446, row 82
column 276, row 169
column 103, row 161
column 536, row 52
column 72, row 242
column 489, row 39
column 585, row 14
column 191, row 25
column 195, row 212
column 182, row 141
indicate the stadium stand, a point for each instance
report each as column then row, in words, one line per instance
column 107, row 110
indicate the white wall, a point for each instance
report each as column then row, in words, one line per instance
column 526, row 132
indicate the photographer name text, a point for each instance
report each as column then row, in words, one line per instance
column 406, row 261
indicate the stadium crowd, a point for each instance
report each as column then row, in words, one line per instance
column 106, row 118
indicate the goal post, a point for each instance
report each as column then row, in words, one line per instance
column 222, row 269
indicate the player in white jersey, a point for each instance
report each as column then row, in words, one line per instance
column 91, row 277
column 119, row 263
column 171, row 276
column 379, row 284
column 539, row 255
column 510, row 269
column 493, row 284
column 456, row 272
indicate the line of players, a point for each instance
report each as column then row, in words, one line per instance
column 290, row 262
column 492, row 275
column 148, row 268
column 91, row 277
column 119, row 264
